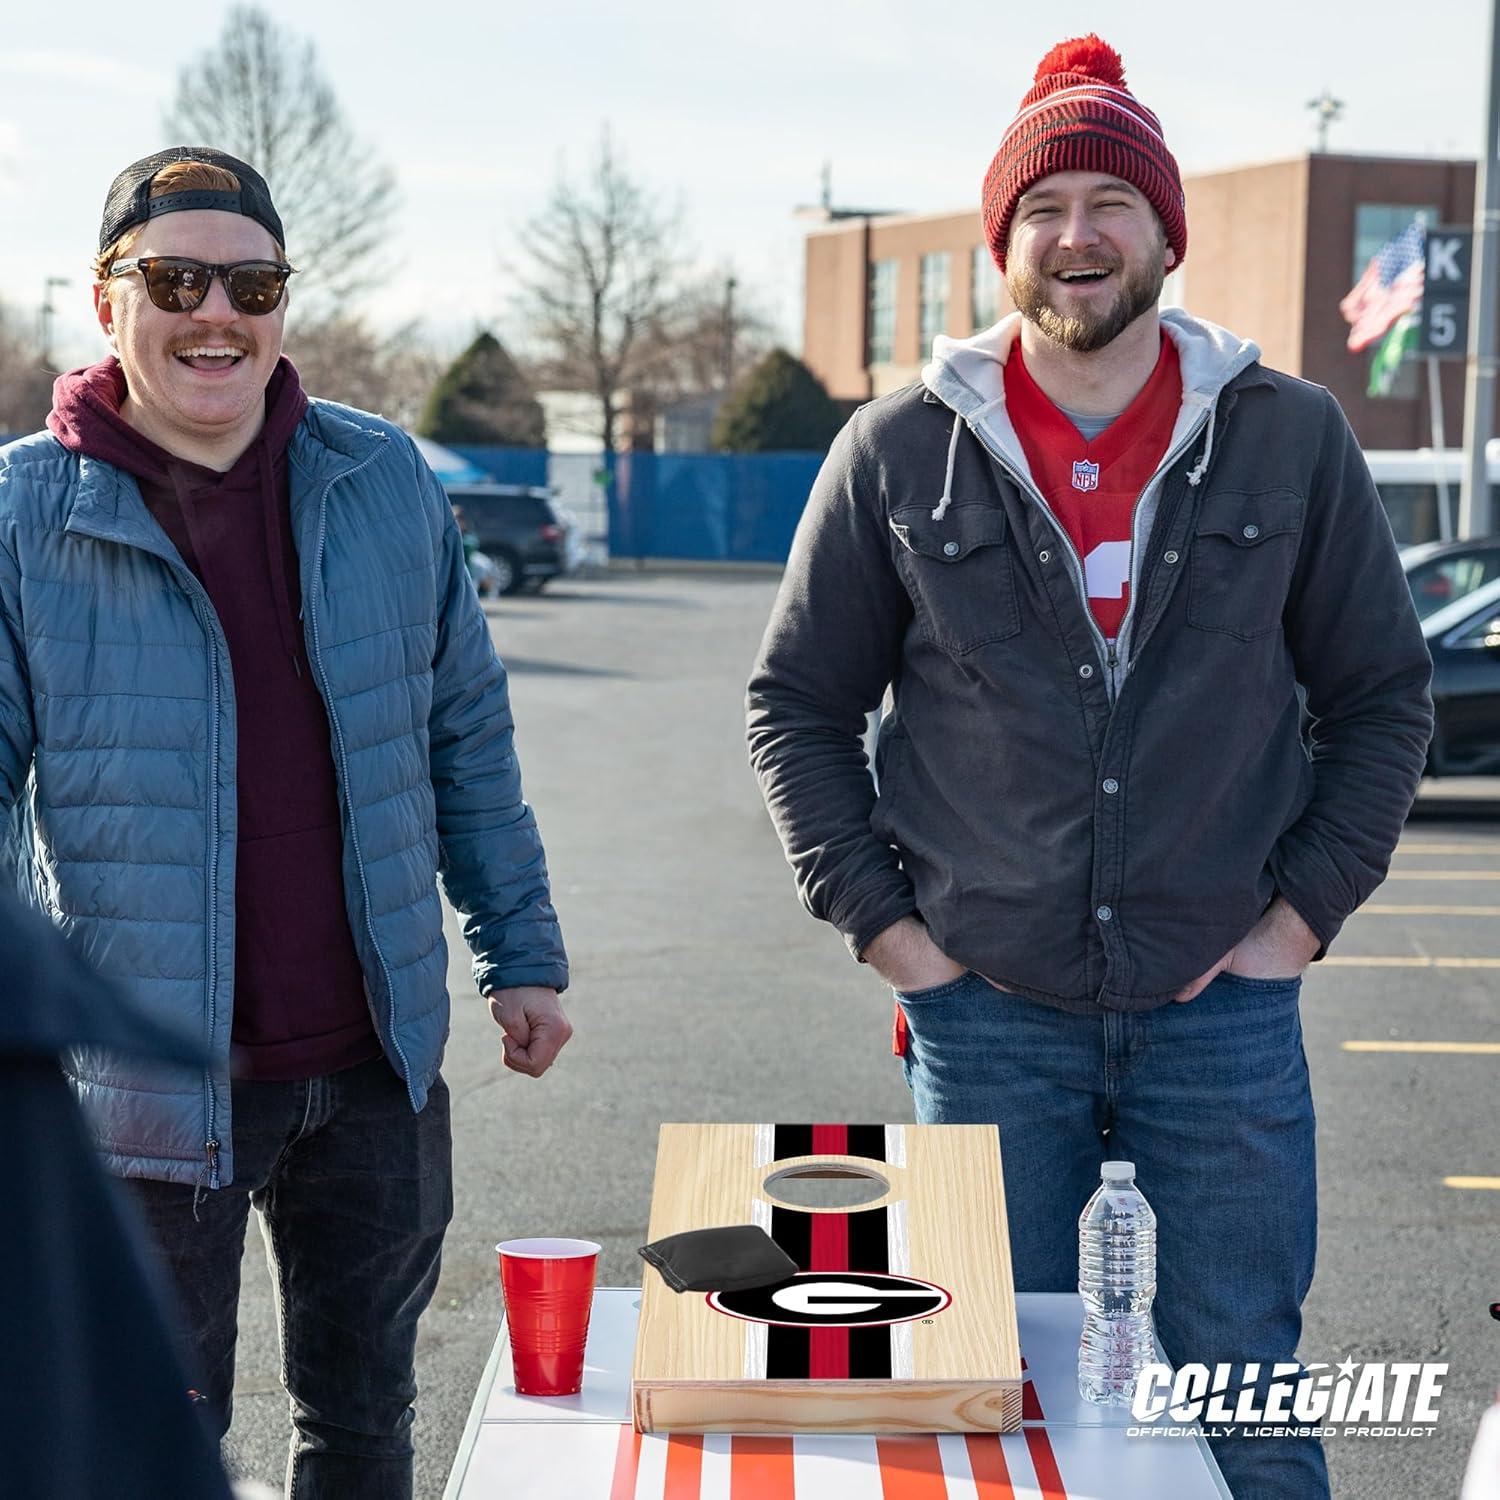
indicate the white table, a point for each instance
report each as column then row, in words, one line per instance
column 583, row 1447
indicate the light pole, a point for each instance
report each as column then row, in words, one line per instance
column 1328, row 110
column 47, row 312
column 729, row 286
column 1474, row 517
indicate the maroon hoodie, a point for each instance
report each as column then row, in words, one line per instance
column 299, row 1003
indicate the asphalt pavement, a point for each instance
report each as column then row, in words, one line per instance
column 702, row 991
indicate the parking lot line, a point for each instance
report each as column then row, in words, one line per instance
column 1480, row 1047
column 1412, row 961
column 1447, row 849
column 1381, row 909
column 1472, row 1182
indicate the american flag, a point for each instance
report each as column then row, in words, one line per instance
column 1391, row 285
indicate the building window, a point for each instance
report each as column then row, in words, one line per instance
column 1374, row 224
column 934, row 298
column 882, row 312
column 985, row 282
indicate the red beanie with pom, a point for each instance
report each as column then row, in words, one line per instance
column 1079, row 117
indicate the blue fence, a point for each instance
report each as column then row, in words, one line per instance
column 721, row 507
column 508, row 465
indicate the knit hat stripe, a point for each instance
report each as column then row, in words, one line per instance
column 1098, row 94
column 1079, row 116
column 1046, row 151
column 1057, row 131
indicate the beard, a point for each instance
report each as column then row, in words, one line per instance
column 1088, row 329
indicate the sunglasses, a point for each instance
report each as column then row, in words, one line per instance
column 178, row 285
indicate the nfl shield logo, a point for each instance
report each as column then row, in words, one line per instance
column 1085, row 475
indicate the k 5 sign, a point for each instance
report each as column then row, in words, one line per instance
column 1444, row 326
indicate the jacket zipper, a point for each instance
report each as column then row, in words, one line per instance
column 1106, row 649
column 203, row 609
column 338, row 740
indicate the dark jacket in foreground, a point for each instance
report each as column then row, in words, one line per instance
column 93, row 1400
column 1082, row 825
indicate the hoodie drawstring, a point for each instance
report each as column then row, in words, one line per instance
column 274, row 531
column 1201, row 467
column 943, row 504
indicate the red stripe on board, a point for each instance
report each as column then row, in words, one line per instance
column 987, row 1460
column 761, row 1468
column 1031, row 1403
column 627, row 1461
column 828, row 1348
column 1044, row 1461
column 911, row 1468
column 830, row 1140
column 684, row 1467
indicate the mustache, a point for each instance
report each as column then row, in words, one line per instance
column 223, row 340
column 1069, row 263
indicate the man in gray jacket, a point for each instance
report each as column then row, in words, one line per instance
column 1090, row 557
column 249, row 710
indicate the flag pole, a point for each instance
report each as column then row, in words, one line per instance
column 1440, row 447
column 1474, row 518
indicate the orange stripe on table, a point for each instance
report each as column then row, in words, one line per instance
column 911, row 1468
column 1044, row 1461
column 761, row 1468
column 684, row 1467
column 987, row 1462
column 627, row 1463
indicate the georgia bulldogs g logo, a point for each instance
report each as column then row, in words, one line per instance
column 835, row 1299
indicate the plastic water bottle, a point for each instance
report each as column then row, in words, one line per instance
column 1117, row 1280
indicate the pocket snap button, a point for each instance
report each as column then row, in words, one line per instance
column 1170, row 557
column 1104, row 913
column 1251, row 532
column 1085, row 670
column 950, row 548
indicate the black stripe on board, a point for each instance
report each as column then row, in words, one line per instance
column 867, row 1141
column 869, row 1250
column 792, row 1140
column 788, row 1353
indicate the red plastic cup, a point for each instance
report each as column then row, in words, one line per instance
column 549, row 1293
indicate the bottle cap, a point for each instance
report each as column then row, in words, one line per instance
column 1118, row 1171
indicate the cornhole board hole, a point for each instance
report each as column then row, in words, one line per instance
column 902, row 1317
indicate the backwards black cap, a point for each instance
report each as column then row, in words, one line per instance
column 129, row 201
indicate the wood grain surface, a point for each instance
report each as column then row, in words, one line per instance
column 698, row 1369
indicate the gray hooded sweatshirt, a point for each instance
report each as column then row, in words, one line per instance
column 1092, row 823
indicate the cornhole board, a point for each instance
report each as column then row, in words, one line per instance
column 902, row 1317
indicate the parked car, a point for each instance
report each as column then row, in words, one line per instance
column 1441, row 573
column 519, row 529
column 1464, row 639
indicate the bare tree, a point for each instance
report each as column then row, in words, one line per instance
column 599, row 283
column 711, row 334
column 259, row 94
column 343, row 359
column 25, row 386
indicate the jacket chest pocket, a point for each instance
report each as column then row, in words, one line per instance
column 1242, row 560
column 958, row 573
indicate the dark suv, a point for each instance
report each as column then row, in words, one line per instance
column 518, row 528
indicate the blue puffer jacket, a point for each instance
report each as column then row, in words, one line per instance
column 117, row 763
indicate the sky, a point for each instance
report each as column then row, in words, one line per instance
column 726, row 112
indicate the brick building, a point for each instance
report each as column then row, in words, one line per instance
column 1271, row 251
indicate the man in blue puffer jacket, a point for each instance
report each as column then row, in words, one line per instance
column 249, row 711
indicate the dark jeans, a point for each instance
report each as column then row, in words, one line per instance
column 354, row 1193
column 1211, row 1102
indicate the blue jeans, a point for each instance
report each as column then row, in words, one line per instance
column 1211, row 1102
column 354, row 1192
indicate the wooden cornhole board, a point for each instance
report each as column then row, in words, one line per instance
column 917, row 1335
